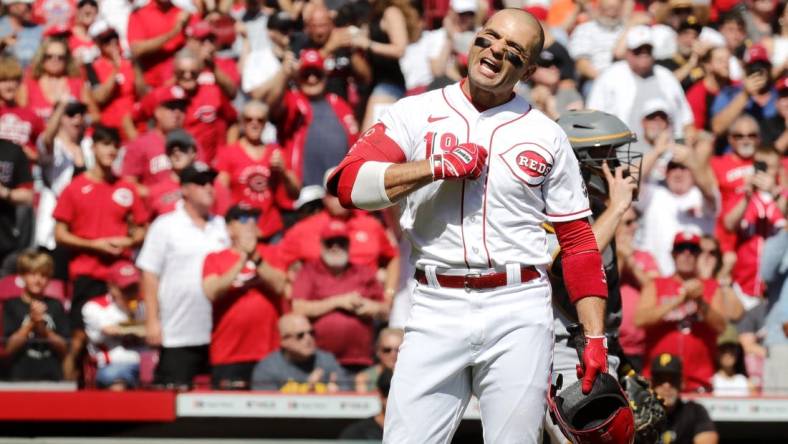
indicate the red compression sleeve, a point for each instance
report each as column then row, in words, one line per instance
column 374, row 145
column 582, row 264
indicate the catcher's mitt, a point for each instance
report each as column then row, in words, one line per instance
column 650, row 416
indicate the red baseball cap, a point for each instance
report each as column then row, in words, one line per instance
column 59, row 30
column 311, row 59
column 781, row 84
column 123, row 274
column 333, row 229
column 686, row 238
column 165, row 94
column 757, row 53
column 200, row 30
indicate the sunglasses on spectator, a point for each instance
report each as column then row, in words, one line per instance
column 387, row 350
column 244, row 218
column 175, row 105
column 740, row 136
column 61, row 57
column 681, row 248
column 257, row 119
column 307, row 73
column 674, row 380
column 336, row 242
column 186, row 149
column 300, row 335
column 187, row 73
column 642, row 50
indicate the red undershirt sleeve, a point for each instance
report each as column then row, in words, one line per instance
column 584, row 274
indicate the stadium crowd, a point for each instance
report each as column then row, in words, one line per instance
column 162, row 206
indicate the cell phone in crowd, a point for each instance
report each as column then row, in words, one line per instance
column 760, row 165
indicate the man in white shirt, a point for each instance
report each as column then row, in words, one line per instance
column 625, row 86
column 591, row 43
column 178, row 315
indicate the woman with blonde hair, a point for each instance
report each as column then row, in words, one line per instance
column 393, row 25
column 54, row 77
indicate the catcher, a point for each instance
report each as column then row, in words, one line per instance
column 601, row 143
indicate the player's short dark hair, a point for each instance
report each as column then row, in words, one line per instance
column 105, row 134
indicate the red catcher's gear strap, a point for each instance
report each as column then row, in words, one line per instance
column 582, row 264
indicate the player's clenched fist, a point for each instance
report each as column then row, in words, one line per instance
column 464, row 161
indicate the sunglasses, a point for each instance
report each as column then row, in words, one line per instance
column 692, row 248
column 510, row 56
column 244, row 218
column 187, row 73
column 642, row 50
column 61, row 57
column 387, row 350
column 175, row 105
column 312, row 72
column 254, row 119
column 740, row 136
column 336, row 242
column 300, row 335
column 186, row 149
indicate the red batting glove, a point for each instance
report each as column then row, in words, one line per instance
column 594, row 361
column 464, row 161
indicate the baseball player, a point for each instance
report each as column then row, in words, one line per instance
column 601, row 142
column 475, row 171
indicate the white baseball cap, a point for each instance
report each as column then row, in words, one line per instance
column 99, row 27
column 640, row 35
column 308, row 194
column 460, row 6
column 653, row 105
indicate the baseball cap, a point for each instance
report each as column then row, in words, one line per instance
column 59, row 30
column 690, row 22
column 333, row 229
column 100, row 29
column 123, row 274
column 241, row 211
column 197, row 173
column 309, row 193
column 546, row 58
column 639, row 36
column 757, row 54
column 178, row 138
column 666, row 364
column 781, row 84
column 167, row 95
column 311, row 59
column 461, row 6
column 11, row 2
column 200, row 30
column 686, row 238
column 653, row 105
column 537, row 8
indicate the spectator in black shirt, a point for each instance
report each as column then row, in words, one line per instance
column 371, row 428
column 688, row 422
column 16, row 189
column 36, row 326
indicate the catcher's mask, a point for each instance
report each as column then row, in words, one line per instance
column 597, row 137
column 603, row 416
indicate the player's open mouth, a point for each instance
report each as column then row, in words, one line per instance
column 489, row 67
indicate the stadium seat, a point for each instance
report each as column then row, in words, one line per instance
column 11, row 287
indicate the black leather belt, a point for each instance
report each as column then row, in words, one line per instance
column 477, row 281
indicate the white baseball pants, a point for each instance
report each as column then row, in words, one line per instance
column 496, row 344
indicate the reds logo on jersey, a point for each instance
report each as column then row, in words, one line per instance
column 529, row 162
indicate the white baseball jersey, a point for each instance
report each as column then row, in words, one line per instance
column 532, row 176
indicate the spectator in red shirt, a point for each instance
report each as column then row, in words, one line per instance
column 755, row 217
column 54, row 76
column 100, row 218
column 80, row 42
column 716, row 66
column 257, row 174
column 208, row 112
column 682, row 315
column 145, row 161
column 316, row 128
column 370, row 244
column 636, row 268
column 165, row 193
column 221, row 71
column 341, row 298
column 113, row 81
column 155, row 34
column 18, row 124
column 245, row 283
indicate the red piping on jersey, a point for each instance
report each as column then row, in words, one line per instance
column 462, row 195
column 486, row 177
